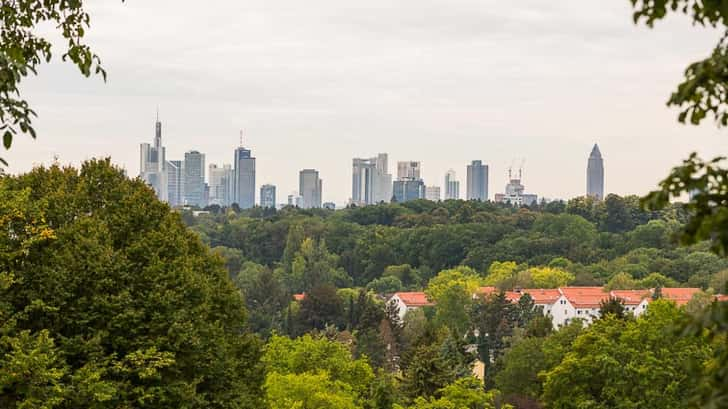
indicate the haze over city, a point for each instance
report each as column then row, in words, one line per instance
column 314, row 85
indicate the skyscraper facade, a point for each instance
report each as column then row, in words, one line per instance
column 244, row 178
column 221, row 184
column 152, row 163
column 432, row 193
column 371, row 181
column 194, row 171
column 404, row 190
column 477, row 182
column 408, row 170
column 310, row 188
column 268, row 196
column 595, row 174
column 452, row 186
column 175, row 183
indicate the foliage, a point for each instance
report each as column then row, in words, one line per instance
column 107, row 300
column 549, row 277
column 627, row 364
column 22, row 50
column 452, row 290
column 465, row 393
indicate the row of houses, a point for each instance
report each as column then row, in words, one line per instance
column 564, row 304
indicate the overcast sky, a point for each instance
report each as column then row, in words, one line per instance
column 316, row 83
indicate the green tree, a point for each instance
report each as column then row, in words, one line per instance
column 109, row 301
column 612, row 306
column 321, row 307
column 452, row 291
column 23, row 48
column 265, row 297
column 548, row 277
column 622, row 281
column 315, row 266
column 501, row 273
column 627, row 364
column 465, row 393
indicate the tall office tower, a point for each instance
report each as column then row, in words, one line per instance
column 194, row 171
column 595, row 174
column 477, row 188
column 404, row 190
column 268, row 196
column 152, row 163
column 221, row 184
column 244, row 179
column 309, row 188
column 432, row 193
column 452, row 186
column 371, row 181
column 408, row 170
column 175, row 183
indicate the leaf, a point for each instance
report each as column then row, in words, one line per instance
column 7, row 139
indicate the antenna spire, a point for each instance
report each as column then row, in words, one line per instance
column 157, row 113
column 241, row 138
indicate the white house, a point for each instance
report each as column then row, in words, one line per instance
column 408, row 301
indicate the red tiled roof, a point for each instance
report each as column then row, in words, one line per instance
column 630, row 297
column 299, row 297
column 543, row 295
column 414, row 299
column 584, row 297
column 512, row 296
column 680, row 296
column 721, row 297
column 488, row 290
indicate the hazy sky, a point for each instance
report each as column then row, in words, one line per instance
column 316, row 83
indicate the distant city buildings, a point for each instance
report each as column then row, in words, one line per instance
column 371, row 181
column 244, row 177
column 452, row 186
column 152, row 163
column 408, row 170
column 175, row 183
column 514, row 193
column 268, row 196
column 432, row 193
column 194, row 179
column 221, row 184
column 329, row 205
column 477, row 182
column 309, row 188
column 595, row 174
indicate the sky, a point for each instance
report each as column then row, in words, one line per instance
column 314, row 84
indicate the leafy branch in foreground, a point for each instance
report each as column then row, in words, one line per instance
column 22, row 50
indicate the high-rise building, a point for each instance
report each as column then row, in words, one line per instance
column 432, row 193
column 268, row 196
column 404, row 190
column 329, row 205
column 408, row 170
column 309, row 188
column 514, row 193
column 244, row 177
column 175, row 183
column 221, row 184
column 152, row 163
column 371, row 181
column 452, row 186
column 194, row 171
column 477, row 188
column 595, row 174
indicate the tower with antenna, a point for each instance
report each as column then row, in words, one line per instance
column 243, row 176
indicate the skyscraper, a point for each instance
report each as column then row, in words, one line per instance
column 477, row 183
column 371, row 181
column 404, row 190
column 244, row 177
column 175, row 183
column 595, row 174
column 408, row 170
column 221, row 184
column 268, row 196
column 452, row 186
column 194, row 171
column 152, row 163
column 515, row 192
column 309, row 188
column 432, row 193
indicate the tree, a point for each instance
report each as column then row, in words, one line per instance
column 617, row 363
column 493, row 319
column 621, row 281
column 452, row 291
column 465, row 393
column 315, row 266
column 612, row 306
column 109, row 301
column 501, row 273
column 548, row 277
column 22, row 50
column 321, row 307
column 264, row 296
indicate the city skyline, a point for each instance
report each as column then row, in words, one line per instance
column 302, row 88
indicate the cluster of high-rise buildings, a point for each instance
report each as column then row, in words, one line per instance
column 186, row 183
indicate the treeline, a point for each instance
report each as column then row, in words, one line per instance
column 594, row 240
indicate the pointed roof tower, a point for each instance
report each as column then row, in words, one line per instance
column 595, row 153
